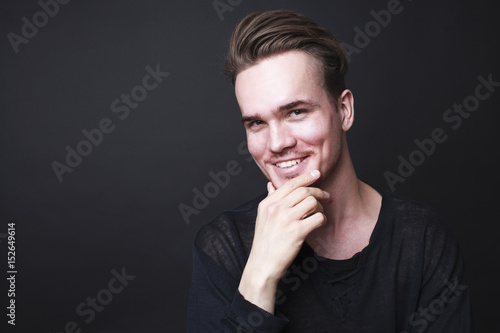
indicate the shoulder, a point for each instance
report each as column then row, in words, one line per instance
column 414, row 225
column 238, row 219
column 408, row 209
column 419, row 226
column 418, row 234
column 230, row 232
column 414, row 215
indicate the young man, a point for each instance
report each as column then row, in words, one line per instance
column 322, row 251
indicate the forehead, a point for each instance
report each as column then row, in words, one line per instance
column 277, row 81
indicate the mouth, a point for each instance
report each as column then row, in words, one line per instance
column 288, row 164
column 290, row 168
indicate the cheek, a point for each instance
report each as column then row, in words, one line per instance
column 256, row 146
column 317, row 133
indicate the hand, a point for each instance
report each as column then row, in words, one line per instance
column 284, row 219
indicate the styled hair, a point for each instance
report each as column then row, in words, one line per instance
column 263, row 34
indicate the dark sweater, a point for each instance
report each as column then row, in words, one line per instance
column 410, row 278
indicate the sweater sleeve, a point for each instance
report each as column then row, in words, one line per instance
column 444, row 300
column 215, row 305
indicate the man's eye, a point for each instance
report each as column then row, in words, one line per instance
column 297, row 112
column 256, row 123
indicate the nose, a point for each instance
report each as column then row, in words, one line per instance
column 281, row 137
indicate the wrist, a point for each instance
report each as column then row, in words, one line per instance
column 258, row 288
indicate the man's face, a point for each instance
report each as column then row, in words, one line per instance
column 291, row 124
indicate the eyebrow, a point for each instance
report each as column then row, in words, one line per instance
column 282, row 108
column 294, row 104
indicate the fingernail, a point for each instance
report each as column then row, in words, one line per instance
column 327, row 194
column 315, row 173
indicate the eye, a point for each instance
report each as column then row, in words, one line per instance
column 297, row 112
column 255, row 123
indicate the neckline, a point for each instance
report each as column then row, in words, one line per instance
column 378, row 231
column 335, row 264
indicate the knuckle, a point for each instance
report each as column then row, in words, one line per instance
column 274, row 207
column 291, row 184
column 310, row 200
column 302, row 191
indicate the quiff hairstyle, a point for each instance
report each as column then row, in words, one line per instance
column 263, row 34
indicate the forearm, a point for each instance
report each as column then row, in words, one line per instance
column 216, row 306
column 284, row 220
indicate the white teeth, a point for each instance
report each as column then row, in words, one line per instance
column 288, row 164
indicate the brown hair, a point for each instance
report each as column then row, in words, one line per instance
column 263, row 34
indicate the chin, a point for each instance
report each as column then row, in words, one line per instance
column 277, row 181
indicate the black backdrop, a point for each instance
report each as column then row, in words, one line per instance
column 66, row 70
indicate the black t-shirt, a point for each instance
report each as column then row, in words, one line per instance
column 409, row 278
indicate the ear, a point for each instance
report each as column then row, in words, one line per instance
column 346, row 109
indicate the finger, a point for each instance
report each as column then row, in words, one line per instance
column 302, row 193
column 306, row 208
column 312, row 222
column 304, row 179
column 270, row 188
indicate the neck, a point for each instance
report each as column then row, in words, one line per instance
column 351, row 213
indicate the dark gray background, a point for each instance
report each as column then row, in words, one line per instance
column 119, row 207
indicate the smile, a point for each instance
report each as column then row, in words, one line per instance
column 288, row 164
